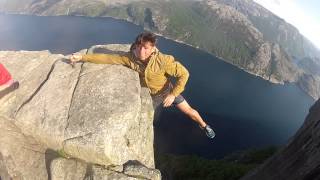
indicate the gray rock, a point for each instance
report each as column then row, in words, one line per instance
column 45, row 115
column 4, row 174
column 21, row 156
column 100, row 173
column 261, row 61
column 115, row 168
column 70, row 169
column 110, row 118
column 310, row 84
column 273, row 64
column 136, row 169
column 97, row 113
column 232, row 16
column 31, row 69
column 281, row 68
column 67, row 169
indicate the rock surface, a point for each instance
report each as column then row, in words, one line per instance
column 21, row 156
column 310, row 84
column 70, row 169
column 97, row 113
column 65, row 169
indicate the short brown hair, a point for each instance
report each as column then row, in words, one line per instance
column 144, row 37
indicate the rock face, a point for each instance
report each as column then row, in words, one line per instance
column 70, row 169
column 96, row 113
column 273, row 64
column 300, row 158
column 21, row 156
column 61, row 168
column 310, row 84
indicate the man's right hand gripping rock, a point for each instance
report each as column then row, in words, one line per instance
column 74, row 58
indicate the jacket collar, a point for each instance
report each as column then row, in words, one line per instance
column 153, row 54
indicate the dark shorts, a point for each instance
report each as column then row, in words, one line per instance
column 158, row 105
column 157, row 101
column 179, row 99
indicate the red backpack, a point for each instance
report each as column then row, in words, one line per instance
column 4, row 75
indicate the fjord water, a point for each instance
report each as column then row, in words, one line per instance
column 245, row 111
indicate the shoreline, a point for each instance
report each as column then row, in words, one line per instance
column 158, row 34
column 272, row 81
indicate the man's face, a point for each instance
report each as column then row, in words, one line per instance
column 144, row 50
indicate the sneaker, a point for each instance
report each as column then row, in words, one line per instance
column 209, row 132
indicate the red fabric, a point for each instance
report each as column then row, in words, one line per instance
column 4, row 75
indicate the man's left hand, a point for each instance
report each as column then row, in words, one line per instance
column 168, row 100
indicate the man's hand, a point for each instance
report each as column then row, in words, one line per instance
column 168, row 100
column 75, row 58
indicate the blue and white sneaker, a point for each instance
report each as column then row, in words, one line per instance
column 209, row 132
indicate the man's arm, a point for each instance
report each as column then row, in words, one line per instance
column 106, row 59
column 102, row 59
column 175, row 69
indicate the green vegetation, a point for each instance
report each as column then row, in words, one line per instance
column 63, row 154
column 275, row 30
column 231, row 167
column 92, row 10
column 116, row 12
column 194, row 24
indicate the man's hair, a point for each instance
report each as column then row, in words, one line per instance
column 142, row 38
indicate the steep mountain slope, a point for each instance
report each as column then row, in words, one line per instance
column 300, row 158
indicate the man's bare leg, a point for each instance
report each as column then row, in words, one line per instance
column 195, row 116
column 192, row 113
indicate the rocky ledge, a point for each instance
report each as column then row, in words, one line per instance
column 90, row 121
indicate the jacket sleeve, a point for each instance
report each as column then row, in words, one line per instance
column 107, row 59
column 175, row 69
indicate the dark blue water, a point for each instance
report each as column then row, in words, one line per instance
column 245, row 110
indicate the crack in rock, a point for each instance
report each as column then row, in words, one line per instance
column 38, row 89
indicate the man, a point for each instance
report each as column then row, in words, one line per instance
column 155, row 70
column 7, row 84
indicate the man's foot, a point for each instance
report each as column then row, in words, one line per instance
column 209, row 131
column 9, row 89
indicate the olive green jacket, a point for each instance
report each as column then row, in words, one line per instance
column 155, row 74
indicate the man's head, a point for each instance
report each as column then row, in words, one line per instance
column 144, row 45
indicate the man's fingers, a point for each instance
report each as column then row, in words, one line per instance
column 167, row 102
column 75, row 58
